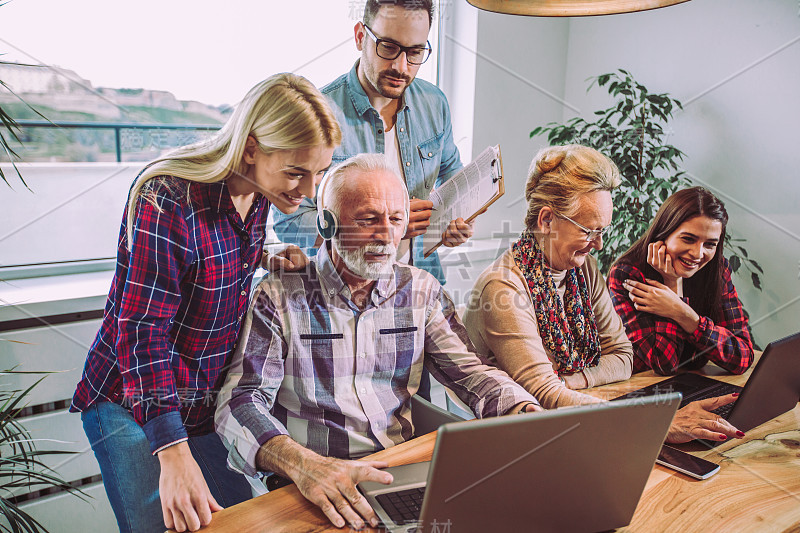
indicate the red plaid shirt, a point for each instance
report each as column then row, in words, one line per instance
column 661, row 344
column 173, row 312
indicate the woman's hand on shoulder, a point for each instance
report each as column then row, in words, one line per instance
column 697, row 421
column 290, row 259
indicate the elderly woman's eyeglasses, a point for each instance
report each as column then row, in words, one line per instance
column 386, row 49
column 591, row 234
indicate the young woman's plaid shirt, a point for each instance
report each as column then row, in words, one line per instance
column 174, row 308
column 661, row 344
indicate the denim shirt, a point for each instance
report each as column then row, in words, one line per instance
column 425, row 139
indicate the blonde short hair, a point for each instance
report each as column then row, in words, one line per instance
column 559, row 175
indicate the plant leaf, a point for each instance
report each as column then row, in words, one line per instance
column 633, row 131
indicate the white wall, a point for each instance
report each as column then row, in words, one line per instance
column 72, row 212
column 519, row 85
column 741, row 138
column 498, row 91
column 457, row 63
column 723, row 59
column 501, row 85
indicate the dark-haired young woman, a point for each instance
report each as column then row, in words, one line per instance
column 674, row 292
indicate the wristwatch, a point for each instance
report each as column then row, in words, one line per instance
column 525, row 405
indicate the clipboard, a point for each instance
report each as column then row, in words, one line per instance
column 474, row 176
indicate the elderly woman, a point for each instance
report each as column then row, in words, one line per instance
column 542, row 311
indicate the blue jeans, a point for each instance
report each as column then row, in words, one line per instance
column 130, row 472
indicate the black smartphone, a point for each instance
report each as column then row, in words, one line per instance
column 686, row 463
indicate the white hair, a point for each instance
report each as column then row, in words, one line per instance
column 367, row 163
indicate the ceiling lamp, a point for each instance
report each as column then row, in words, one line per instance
column 570, row 8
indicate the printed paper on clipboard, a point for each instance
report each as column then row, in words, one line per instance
column 467, row 194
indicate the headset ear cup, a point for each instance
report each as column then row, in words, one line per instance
column 327, row 224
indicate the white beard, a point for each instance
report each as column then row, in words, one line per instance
column 357, row 264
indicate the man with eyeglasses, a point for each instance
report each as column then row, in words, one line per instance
column 382, row 108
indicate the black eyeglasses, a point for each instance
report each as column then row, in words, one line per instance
column 386, row 49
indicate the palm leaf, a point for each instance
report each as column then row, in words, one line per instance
column 21, row 465
column 11, row 128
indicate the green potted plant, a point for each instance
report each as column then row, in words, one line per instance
column 633, row 133
column 20, row 461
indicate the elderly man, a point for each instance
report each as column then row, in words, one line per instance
column 329, row 358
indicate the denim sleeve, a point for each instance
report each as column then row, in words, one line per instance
column 164, row 431
column 300, row 227
column 451, row 159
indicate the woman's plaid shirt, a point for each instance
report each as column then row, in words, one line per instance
column 174, row 309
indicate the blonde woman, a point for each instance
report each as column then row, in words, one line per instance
column 191, row 238
column 542, row 311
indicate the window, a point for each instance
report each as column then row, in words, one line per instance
column 178, row 62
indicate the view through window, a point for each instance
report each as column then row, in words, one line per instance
column 126, row 82
column 176, row 64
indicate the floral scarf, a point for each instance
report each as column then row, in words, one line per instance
column 568, row 330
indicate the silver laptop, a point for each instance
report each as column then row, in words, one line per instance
column 569, row 469
column 772, row 389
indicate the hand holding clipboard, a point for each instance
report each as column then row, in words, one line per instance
column 466, row 195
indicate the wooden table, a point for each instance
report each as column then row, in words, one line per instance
column 756, row 489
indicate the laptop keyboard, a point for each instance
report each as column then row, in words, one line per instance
column 718, row 389
column 725, row 410
column 693, row 388
column 403, row 506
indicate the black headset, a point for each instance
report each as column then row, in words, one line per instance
column 327, row 221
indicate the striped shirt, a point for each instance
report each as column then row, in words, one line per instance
column 337, row 379
column 174, row 308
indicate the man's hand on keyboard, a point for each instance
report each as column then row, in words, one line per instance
column 327, row 482
column 330, row 484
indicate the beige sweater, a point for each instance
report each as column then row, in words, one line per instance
column 501, row 322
